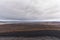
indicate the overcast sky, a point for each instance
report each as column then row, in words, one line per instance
column 30, row 9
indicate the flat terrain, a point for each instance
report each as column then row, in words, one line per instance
column 30, row 27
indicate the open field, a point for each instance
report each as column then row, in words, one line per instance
column 30, row 27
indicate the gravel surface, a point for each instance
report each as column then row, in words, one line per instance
column 35, row 35
column 29, row 38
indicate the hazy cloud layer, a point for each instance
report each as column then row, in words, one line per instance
column 30, row 9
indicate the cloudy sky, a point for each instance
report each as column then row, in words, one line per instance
column 30, row 10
